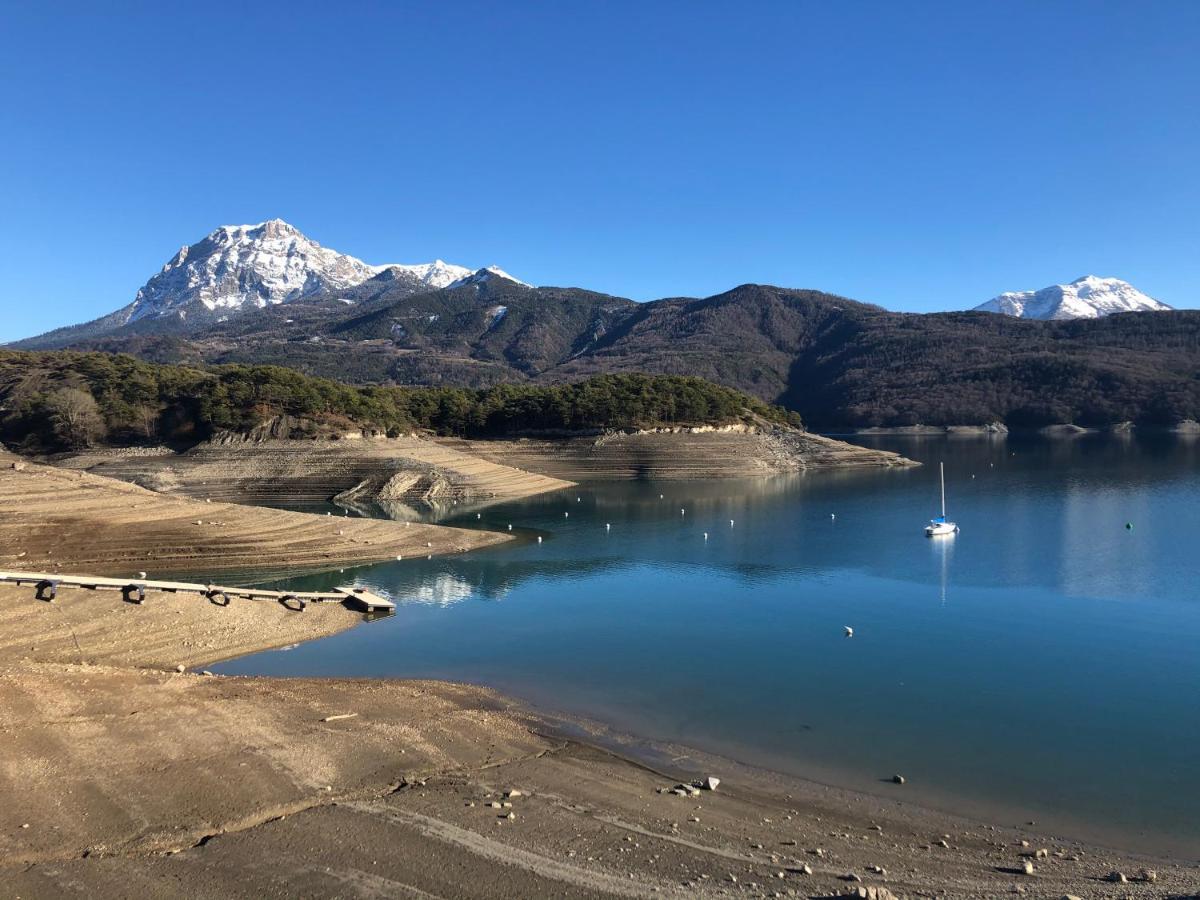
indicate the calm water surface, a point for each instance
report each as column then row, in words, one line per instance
column 1043, row 664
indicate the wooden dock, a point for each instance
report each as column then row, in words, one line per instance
column 134, row 590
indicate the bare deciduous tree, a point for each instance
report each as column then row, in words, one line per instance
column 76, row 416
column 146, row 418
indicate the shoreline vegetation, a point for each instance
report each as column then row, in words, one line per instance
column 68, row 400
column 129, row 776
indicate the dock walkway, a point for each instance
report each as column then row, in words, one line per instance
column 134, row 590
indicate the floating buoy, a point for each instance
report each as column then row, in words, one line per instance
column 660, row 496
column 566, row 515
column 706, row 535
column 682, row 512
column 510, row 528
column 607, row 527
column 479, row 515
column 731, row 523
column 578, row 499
column 539, row 538
column 833, row 515
column 1129, row 526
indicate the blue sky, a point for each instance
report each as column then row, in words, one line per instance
column 923, row 156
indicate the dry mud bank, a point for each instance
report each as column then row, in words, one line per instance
column 409, row 470
column 53, row 519
column 682, row 454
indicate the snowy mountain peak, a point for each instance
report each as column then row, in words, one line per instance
column 240, row 267
column 1089, row 297
column 437, row 274
column 244, row 266
column 483, row 276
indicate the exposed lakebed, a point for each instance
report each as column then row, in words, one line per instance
column 1041, row 665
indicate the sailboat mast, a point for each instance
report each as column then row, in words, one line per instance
column 942, row 473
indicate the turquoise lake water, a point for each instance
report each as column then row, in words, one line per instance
column 1043, row 664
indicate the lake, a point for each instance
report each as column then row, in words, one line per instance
column 1042, row 664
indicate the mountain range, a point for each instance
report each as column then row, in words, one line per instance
column 267, row 294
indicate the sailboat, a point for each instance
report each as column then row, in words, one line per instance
column 940, row 526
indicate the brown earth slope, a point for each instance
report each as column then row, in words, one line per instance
column 54, row 519
column 408, row 470
column 732, row 452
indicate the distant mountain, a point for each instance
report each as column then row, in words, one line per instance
column 1088, row 297
column 267, row 295
column 836, row 361
column 238, row 268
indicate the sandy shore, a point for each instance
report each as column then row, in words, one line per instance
column 120, row 777
column 52, row 518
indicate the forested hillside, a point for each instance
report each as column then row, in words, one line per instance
column 54, row 400
column 835, row 361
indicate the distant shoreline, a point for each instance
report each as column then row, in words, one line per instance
column 998, row 430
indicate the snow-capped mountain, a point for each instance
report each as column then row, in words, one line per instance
column 238, row 268
column 252, row 266
column 1089, row 297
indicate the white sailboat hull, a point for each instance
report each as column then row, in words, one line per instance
column 939, row 526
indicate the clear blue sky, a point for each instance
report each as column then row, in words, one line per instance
column 916, row 154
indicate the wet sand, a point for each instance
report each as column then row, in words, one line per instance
column 120, row 777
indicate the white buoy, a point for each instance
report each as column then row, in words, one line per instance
column 849, row 631
column 683, row 512
column 660, row 496
column 539, row 538
column 479, row 515
column 578, row 499
column 706, row 535
column 566, row 515
column 833, row 515
column 607, row 527
column 731, row 523
column 510, row 528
